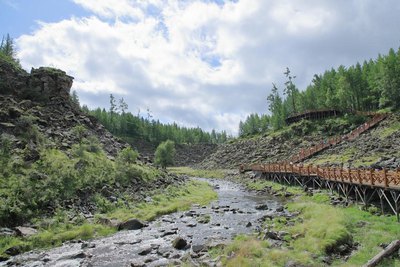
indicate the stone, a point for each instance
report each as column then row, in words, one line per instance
column 25, row 231
column 131, row 224
column 197, row 248
column 15, row 250
column 137, row 263
column 262, row 207
column 179, row 243
column 145, row 250
column 6, row 232
column 248, row 224
column 279, row 209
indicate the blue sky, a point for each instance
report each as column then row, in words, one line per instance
column 197, row 62
column 19, row 17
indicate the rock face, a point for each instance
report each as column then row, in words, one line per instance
column 42, row 99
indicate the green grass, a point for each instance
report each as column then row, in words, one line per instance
column 219, row 174
column 318, row 228
column 172, row 199
column 388, row 131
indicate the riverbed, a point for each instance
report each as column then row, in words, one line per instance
column 237, row 211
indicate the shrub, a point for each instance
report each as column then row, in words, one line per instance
column 127, row 155
column 165, row 154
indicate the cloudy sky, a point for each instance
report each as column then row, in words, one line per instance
column 206, row 63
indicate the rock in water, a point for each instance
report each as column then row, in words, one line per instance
column 131, row 224
column 262, row 207
column 179, row 243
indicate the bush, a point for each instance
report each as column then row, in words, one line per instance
column 165, row 154
column 127, row 156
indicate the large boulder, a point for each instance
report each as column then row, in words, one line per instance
column 131, row 224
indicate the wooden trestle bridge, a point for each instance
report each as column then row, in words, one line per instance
column 362, row 185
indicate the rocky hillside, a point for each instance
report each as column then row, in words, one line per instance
column 59, row 157
column 37, row 106
column 186, row 154
column 378, row 147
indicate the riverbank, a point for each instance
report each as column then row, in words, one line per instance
column 180, row 238
column 318, row 234
column 63, row 227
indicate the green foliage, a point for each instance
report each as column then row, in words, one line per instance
column 254, row 124
column 165, row 153
column 128, row 126
column 7, row 52
column 127, row 156
column 219, row 174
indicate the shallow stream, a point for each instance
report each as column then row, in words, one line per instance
column 237, row 211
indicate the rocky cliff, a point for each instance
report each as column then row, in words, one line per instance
column 37, row 105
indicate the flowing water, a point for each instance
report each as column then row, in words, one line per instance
column 202, row 227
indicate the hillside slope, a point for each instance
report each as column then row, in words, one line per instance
column 54, row 157
column 377, row 147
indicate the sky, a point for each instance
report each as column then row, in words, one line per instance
column 206, row 63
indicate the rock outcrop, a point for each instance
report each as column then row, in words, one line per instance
column 41, row 100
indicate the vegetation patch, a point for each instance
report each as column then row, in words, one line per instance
column 169, row 200
column 218, row 174
column 315, row 236
column 387, row 131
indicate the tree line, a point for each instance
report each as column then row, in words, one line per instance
column 370, row 86
column 126, row 125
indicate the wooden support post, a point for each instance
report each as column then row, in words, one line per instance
column 371, row 178
column 359, row 177
column 385, row 179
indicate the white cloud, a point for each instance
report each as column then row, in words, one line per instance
column 202, row 63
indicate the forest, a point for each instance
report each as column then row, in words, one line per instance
column 370, row 86
column 128, row 126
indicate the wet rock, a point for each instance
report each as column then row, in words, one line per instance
column 262, row 207
column 15, row 250
column 25, row 231
column 198, row 247
column 137, row 263
column 191, row 224
column 88, row 245
column 145, row 250
column 131, row 224
column 179, row 243
column 4, row 258
column 170, row 232
column 279, row 209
